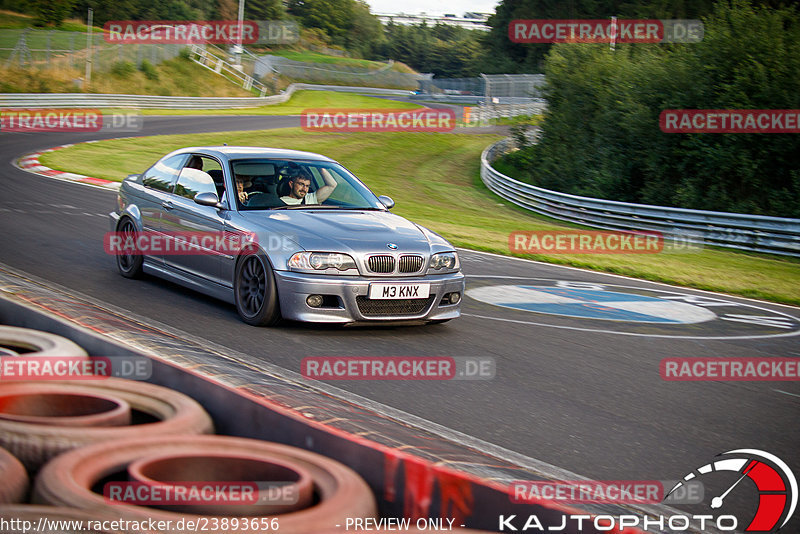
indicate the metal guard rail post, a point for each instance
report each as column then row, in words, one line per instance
column 89, row 100
column 758, row 233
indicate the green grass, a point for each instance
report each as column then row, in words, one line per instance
column 309, row 56
column 12, row 20
column 175, row 77
column 434, row 178
column 301, row 100
column 316, row 57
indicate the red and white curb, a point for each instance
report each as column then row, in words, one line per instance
column 30, row 163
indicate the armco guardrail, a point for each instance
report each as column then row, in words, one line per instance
column 88, row 100
column 775, row 235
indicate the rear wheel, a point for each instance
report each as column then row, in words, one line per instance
column 255, row 291
column 128, row 262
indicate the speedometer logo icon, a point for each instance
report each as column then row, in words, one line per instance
column 775, row 482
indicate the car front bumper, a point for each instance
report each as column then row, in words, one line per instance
column 353, row 303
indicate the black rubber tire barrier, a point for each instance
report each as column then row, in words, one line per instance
column 13, row 479
column 37, row 343
column 69, row 480
column 44, row 407
column 33, row 444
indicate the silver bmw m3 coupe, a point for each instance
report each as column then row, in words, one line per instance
column 282, row 234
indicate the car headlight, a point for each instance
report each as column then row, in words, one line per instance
column 320, row 261
column 444, row 261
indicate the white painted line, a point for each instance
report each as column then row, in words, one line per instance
column 619, row 276
column 786, row 392
column 635, row 334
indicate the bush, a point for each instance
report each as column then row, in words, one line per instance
column 601, row 136
column 123, row 69
column 148, row 70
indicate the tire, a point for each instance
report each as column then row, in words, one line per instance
column 42, row 406
column 68, row 480
column 129, row 265
column 36, row 343
column 255, row 291
column 35, row 444
column 15, row 480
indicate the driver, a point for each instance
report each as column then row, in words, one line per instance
column 243, row 182
column 300, row 183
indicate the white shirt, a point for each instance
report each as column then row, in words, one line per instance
column 311, row 198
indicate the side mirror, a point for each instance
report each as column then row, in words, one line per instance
column 132, row 177
column 208, row 199
column 386, row 201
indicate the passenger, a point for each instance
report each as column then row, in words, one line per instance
column 299, row 185
column 195, row 162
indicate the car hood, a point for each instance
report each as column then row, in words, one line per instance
column 349, row 231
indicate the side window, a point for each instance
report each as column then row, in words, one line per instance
column 209, row 166
column 162, row 175
column 194, row 181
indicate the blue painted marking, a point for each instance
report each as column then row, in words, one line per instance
column 592, row 294
column 587, row 310
column 592, row 306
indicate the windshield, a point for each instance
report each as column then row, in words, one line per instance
column 296, row 184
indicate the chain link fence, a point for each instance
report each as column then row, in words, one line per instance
column 29, row 48
column 452, row 86
column 300, row 71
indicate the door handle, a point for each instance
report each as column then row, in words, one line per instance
column 167, row 205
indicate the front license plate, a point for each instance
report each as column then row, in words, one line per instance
column 399, row 291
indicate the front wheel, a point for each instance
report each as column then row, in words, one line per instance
column 255, row 291
column 129, row 262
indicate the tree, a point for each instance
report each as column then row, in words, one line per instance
column 51, row 12
column 601, row 136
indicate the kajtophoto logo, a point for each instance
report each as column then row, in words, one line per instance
column 775, row 484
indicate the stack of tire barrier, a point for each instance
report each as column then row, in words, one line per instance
column 74, row 437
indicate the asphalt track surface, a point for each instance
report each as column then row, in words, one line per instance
column 580, row 393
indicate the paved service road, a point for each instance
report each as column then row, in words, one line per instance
column 573, row 388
